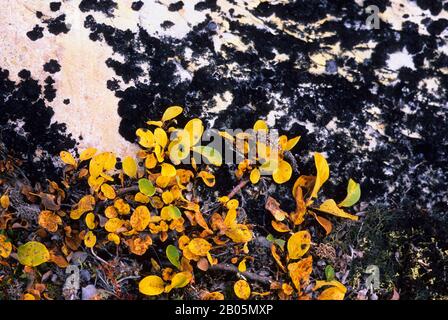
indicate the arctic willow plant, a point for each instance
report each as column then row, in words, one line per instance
column 151, row 200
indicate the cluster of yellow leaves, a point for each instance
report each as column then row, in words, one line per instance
column 305, row 192
column 150, row 199
column 270, row 155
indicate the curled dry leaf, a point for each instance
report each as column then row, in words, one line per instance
column 273, row 207
column 5, row 246
column 49, row 220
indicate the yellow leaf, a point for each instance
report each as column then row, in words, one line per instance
column 112, row 225
column 180, row 280
column 162, row 181
column 5, row 247
column 130, row 167
column 212, row 296
column 109, row 161
column 242, row 289
column 292, row 143
column 4, row 201
column 108, row 191
column 110, row 212
column 142, row 198
column 336, row 290
column 277, row 257
column 89, row 239
column 96, row 165
column 168, row 170
column 151, row 286
column 171, row 113
column 242, row 266
column 167, row 197
column 160, row 155
column 199, row 246
column 151, row 161
column 298, row 216
column 155, row 123
column 113, row 238
column 211, row 155
column 140, row 218
column 325, row 223
column 146, row 138
column 282, row 173
column 67, row 158
column 50, row 221
column 260, row 125
column 179, row 148
column 330, row 207
column 280, row 226
column 255, row 176
column 298, row 244
column 239, row 233
column 161, row 137
column 32, row 254
column 332, row 293
column 323, row 173
column 122, row 206
column 87, row 154
column 300, row 272
column 28, row 297
column 305, row 182
column 353, row 194
column 90, row 220
column 232, row 204
column 208, row 178
column 195, row 128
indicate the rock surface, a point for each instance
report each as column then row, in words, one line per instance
column 88, row 73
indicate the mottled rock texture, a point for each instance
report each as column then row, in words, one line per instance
column 374, row 100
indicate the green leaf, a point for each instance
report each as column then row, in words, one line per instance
column 146, row 187
column 210, row 154
column 175, row 212
column 329, row 273
column 173, row 255
column 279, row 242
column 353, row 194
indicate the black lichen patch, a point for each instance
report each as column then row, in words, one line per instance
column 50, row 91
column 105, row 6
column 55, row 6
column 36, row 33
column 52, row 66
column 207, row 4
column 137, row 5
column 166, row 24
column 57, row 25
column 27, row 129
column 66, row 101
column 176, row 6
column 330, row 112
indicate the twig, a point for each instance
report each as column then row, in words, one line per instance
column 238, row 188
column 249, row 275
column 123, row 191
